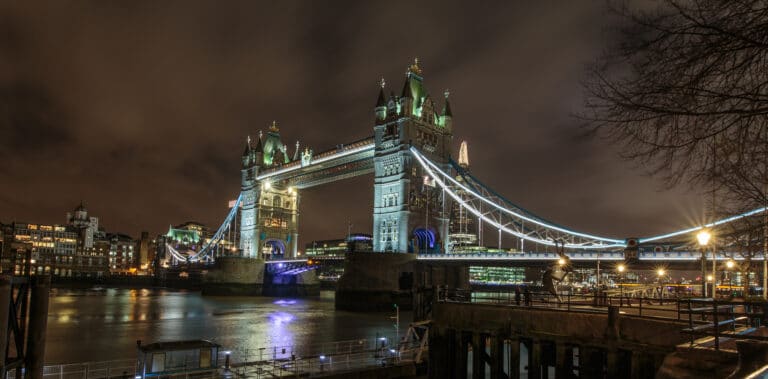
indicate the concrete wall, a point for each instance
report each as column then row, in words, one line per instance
column 373, row 281
column 236, row 276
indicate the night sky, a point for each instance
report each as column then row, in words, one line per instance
column 141, row 109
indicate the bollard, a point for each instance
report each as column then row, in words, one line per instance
column 38, row 322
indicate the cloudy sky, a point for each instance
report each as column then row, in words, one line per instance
column 141, row 108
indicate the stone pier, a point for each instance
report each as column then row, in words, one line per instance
column 474, row 340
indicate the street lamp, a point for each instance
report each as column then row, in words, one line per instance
column 730, row 265
column 703, row 238
column 660, row 272
column 620, row 268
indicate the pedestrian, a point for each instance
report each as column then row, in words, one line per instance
column 527, row 295
column 517, row 295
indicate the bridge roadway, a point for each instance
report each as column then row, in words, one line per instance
column 645, row 260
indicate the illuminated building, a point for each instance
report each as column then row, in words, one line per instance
column 122, row 254
column 144, row 257
column 462, row 235
column 91, row 255
column 49, row 245
column 88, row 227
column 356, row 242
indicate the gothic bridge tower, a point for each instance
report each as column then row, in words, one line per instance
column 409, row 213
column 269, row 218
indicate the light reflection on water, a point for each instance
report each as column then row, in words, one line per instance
column 97, row 325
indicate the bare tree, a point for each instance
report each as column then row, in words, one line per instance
column 685, row 91
column 742, row 241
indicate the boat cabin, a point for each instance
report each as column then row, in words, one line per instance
column 176, row 357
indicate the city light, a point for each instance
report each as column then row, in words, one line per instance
column 730, row 264
column 660, row 272
column 709, row 278
column 703, row 237
column 620, row 268
column 561, row 261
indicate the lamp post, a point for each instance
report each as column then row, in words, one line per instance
column 660, row 272
column 703, row 238
column 621, row 269
column 729, row 265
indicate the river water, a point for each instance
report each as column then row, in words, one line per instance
column 104, row 324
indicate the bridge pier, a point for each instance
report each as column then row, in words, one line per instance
column 563, row 361
column 551, row 338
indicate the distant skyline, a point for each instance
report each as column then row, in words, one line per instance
column 141, row 109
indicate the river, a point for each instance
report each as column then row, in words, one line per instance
column 104, row 324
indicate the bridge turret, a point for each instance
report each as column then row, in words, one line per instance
column 446, row 119
column 258, row 152
column 247, row 157
column 410, row 215
column 381, row 105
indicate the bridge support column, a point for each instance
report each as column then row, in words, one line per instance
column 497, row 356
column 613, row 364
column 638, row 365
column 461, row 353
column 478, row 355
column 514, row 358
column 38, row 322
column 5, row 308
column 442, row 349
column 534, row 359
column 590, row 362
column 564, row 361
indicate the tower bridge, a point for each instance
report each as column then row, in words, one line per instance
column 419, row 192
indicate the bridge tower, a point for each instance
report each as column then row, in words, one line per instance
column 409, row 213
column 269, row 218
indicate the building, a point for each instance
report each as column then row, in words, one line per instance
column 122, row 254
column 87, row 227
column 355, row 242
column 91, row 258
column 39, row 248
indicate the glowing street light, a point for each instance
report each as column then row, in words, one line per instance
column 660, row 272
column 730, row 264
column 703, row 237
column 620, row 268
column 561, row 262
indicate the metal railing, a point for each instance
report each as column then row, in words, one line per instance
column 709, row 320
column 299, row 360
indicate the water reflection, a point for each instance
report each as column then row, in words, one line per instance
column 88, row 325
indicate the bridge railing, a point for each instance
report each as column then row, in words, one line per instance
column 704, row 316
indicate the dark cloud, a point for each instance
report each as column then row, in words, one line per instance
column 142, row 108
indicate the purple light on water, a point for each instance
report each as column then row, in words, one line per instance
column 280, row 265
column 280, row 318
column 285, row 303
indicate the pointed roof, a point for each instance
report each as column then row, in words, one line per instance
column 447, row 108
column 81, row 207
column 407, row 87
column 259, row 148
column 381, row 102
column 247, row 150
